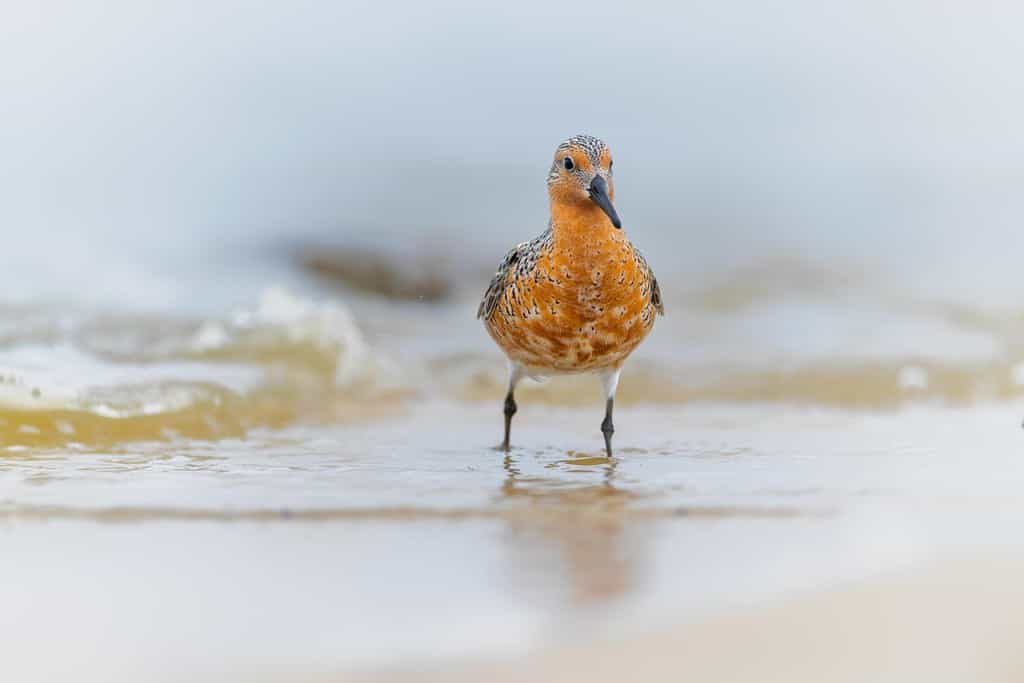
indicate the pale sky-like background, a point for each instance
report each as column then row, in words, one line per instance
column 885, row 134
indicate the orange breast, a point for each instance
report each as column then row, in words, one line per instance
column 586, row 305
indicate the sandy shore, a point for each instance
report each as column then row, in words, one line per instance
column 727, row 543
column 959, row 620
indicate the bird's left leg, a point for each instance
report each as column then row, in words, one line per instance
column 515, row 373
column 609, row 382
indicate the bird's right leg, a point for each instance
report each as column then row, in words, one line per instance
column 515, row 373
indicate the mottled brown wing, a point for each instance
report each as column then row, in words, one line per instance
column 655, row 289
column 520, row 261
column 497, row 286
column 656, row 295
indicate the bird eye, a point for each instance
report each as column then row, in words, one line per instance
column 567, row 163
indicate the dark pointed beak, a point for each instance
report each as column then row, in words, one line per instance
column 599, row 195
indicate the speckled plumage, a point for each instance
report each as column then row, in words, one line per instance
column 564, row 308
column 579, row 297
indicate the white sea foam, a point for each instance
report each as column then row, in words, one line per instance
column 270, row 362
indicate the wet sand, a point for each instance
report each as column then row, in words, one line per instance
column 807, row 540
column 961, row 619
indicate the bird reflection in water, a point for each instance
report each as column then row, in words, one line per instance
column 580, row 531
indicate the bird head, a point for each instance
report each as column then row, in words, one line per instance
column 581, row 173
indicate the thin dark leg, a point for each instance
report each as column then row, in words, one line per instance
column 607, row 428
column 510, row 410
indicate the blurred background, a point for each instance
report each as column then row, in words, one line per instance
column 166, row 160
column 852, row 135
column 245, row 242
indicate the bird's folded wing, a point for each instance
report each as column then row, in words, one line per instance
column 655, row 289
column 497, row 286
column 656, row 295
column 520, row 261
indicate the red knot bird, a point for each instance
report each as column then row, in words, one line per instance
column 580, row 297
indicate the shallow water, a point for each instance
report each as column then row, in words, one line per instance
column 405, row 538
column 305, row 481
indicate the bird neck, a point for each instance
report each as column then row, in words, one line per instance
column 580, row 222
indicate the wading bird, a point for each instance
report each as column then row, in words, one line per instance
column 580, row 297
